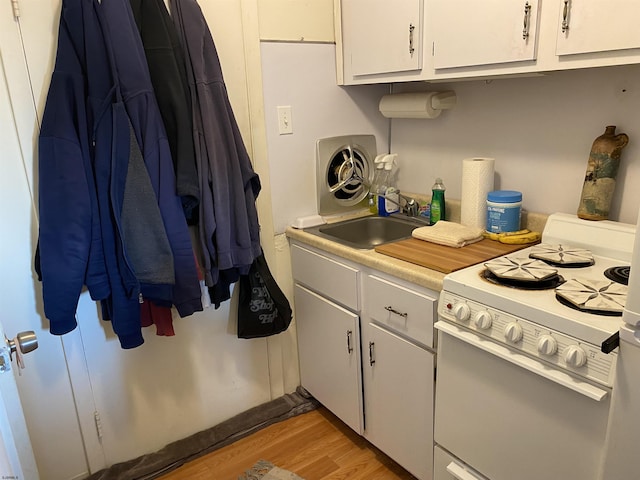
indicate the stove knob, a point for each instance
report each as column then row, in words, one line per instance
column 547, row 345
column 513, row 332
column 462, row 312
column 483, row 320
column 575, row 356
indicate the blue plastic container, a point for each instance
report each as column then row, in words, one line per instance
column 503, row 211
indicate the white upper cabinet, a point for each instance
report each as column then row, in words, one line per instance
column 381, row 38
column 384, row 35
column 469, row 33
column 380, row 41
column 591, row 26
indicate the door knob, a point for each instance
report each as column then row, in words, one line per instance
column 26, row 341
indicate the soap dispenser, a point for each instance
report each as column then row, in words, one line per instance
column 437, row 202
column 388, row 196
column 375, row 185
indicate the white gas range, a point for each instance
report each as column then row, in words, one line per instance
column 520, row 370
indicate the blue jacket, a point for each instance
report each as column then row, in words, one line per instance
column 70, row 250
column 94, row 183
column 130, row 66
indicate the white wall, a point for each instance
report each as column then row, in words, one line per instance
column 303, row 76
column 539, row 130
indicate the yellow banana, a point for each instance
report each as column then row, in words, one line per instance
column 497, row 236
column 521, row 239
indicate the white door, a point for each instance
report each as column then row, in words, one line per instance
column 45, row 392
column 16, row 454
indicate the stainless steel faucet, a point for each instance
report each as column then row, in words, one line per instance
column 409, row 207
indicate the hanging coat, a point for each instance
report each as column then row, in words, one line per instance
column 69, row 253
column 130, row 67
column 229, row 229
column 138, row 255
column 165, row 59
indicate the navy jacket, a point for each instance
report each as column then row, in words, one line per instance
column 229, row 229
column 70, row 251
column 130, row 66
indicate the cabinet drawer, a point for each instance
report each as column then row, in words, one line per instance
column 325, row 275
column 400, row 309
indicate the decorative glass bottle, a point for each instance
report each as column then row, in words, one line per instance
column 600, row 179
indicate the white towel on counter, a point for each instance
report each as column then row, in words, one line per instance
column 450, row 234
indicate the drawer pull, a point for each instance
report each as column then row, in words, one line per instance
column 349, row 347
column 371, row 359
column 393, row 310
column 460, row 473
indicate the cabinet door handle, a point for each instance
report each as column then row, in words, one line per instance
column 393, row 310
column 565, row 16
column 371, row 359
column 527, row 15
column 411, row 29
column 349, row 347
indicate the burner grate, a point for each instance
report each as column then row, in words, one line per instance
column 522, row 269
column 594, row 295
column 562, row 255
column 546, row 284
column 618, row 274
column 605, row 313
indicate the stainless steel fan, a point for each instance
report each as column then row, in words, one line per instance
column 344, row 172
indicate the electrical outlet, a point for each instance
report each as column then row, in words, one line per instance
column 285, row 125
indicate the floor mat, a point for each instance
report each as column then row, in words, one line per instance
column 264, row 470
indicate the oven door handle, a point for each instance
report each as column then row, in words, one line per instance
column 461, row 473
column 534, row 366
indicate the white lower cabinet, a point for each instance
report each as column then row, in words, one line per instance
column 398, row 399
column 328, row 342
column 398, row 372
column 369, row 356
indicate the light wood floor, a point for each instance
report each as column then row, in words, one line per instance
column 315, row 445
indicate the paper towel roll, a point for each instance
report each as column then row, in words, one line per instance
column 477, row 181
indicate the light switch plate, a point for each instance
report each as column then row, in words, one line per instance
column 285, row 125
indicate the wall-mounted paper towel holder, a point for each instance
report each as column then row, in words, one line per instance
column 416, row 104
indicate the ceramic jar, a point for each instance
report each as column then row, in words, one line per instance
column 600, row 179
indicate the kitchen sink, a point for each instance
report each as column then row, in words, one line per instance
column 368, row 232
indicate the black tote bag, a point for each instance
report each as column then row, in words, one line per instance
column 263, row 309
